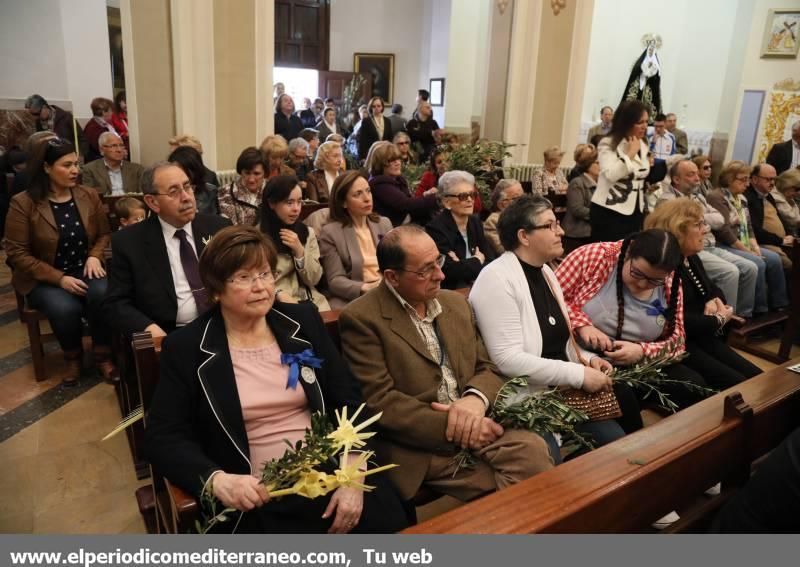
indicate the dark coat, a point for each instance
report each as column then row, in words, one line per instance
column 755, row 203
column 699, row 328
column 141, row 290
column 65, row 126
column 780, row 156
column 445, row 233
column 289, row 127
column 368, row 135
column 393, row 200
column 195, row 424
column 92, row 132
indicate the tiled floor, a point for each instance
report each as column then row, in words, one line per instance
column 57, row 476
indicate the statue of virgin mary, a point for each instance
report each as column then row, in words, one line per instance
column 644, row 83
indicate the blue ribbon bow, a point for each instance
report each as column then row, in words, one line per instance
column 294, row 360
column 656, row 308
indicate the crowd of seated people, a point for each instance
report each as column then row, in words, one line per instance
column 238, row 269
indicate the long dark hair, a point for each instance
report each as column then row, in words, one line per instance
column 191, row 162
column 278, row 189
column 44, row 151
column 626, row 116
column 661, row 250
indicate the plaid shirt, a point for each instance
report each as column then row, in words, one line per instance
column 448, row 387
column 587, row 269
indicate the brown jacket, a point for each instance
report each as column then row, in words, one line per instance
column 32, row 236
column 317, row 186
column 95, row 174
column 342, row 260
column 399, row 376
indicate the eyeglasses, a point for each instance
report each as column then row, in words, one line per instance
column 246, row 281
column 463, row 196
column 56, row 142
column 401, row 143
column 114, row 146
column 552, row 225
column 639, row 275
column 707, row 167
column 427, row 272
column 743, row 178
column 174, row 192
column 769, row 180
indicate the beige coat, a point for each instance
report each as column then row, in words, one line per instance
column 399, row 376
column 299, row 283
column 490, row 231
column 342, row 260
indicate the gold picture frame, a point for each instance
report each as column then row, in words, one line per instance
column 379, row 66
column 781, row 34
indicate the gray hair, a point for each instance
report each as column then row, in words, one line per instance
column 147, row 184
column 297, row 143
column 104, row 137
column 498, row 193
column 452, row 178
column 35, row 102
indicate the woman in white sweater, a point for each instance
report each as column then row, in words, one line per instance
column 618, row 203
column 521, row 313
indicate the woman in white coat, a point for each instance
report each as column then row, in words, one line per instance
column 522, row 316
column 618, row 204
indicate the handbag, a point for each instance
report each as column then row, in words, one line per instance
column 598, row 406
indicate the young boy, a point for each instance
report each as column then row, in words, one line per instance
column 129, row 210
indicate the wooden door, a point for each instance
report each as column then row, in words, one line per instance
column 302, row 29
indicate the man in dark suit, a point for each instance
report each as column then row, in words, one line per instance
column 416, row 351
column 112, row 175
column 786, row 155
column 154, row 282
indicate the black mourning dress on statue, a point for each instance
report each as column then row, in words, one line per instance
column 644, row 82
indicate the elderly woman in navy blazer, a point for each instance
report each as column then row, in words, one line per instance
column 458, row 232
column 239, row 381
column 349, row 242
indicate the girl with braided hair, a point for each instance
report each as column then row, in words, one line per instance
column 626, row 302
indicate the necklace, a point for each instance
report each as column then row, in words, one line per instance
column 695, row 280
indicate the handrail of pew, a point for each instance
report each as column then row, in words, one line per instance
column 626, row 485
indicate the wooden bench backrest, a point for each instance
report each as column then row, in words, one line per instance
column 624, row 486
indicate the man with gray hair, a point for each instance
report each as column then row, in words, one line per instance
column 786, row 155
column 419, row 358
column 154, row 284
column 681, row 139
column 56, row 119
column 112, row 175
column 733, row 275
column 299, row 160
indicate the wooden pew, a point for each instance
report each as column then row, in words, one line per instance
column 792, row 329
column 624, row 486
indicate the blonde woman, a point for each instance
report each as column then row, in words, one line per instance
column 275, row 150
column 550, row 179
column 328, row 164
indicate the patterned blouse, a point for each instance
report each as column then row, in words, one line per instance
column 73, row 243
column 545, row 182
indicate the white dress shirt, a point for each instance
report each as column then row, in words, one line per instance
column 115, row 175
column 187, row 308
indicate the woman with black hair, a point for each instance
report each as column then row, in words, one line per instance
column 626, row 302
column 56, row 231
column 191, row 162
column 618, row 204
column 298, row 269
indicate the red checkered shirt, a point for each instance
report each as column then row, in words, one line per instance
column 587, row 269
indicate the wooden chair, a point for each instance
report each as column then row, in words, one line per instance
column 624, row 486
column 32, row 320
column 168, row 508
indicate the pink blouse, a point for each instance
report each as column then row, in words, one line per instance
column 272, row 412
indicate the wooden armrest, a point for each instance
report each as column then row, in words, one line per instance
column 184, row 508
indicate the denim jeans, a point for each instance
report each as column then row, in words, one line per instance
column 64, row 311
column 748, row 277
column 771, row 283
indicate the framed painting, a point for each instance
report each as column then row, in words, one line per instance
column 781, row 34
column 379, row 66
column 437, row 92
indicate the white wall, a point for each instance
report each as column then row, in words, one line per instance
column 56, row 49
column 436, row 25
column 698, row 41
column 467, row 56
column 381, row 26
column 758, row 73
